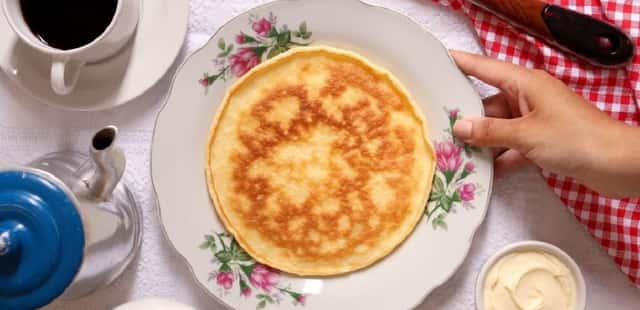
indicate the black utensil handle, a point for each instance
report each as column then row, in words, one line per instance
column 590, row 39
column 596, row 41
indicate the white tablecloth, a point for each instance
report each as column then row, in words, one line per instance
column 522, row 206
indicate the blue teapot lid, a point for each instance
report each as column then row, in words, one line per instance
column 41, row 239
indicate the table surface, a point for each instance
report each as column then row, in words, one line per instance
column 522, row 206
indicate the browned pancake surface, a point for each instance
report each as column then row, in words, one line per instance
column 322, row 163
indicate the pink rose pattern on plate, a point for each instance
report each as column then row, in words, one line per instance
column 454, row 163
column 467, row 192
column 262, row 27
column 264, row 277
column 264, row 40
column 225, row 279
column 235, row 266
column 243, row 60
column 448, row 156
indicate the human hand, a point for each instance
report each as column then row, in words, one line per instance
column 537, row 118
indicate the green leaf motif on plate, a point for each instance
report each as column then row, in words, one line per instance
column 264, row 39
column 454, row 164
column 237, row 271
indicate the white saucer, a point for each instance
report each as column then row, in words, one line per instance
column 115, row 81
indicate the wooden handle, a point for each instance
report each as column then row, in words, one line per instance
column 593, row 40
column 526, row 13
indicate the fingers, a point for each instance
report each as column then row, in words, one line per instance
column 497, row 106
column 508, row 162
column 498, row 130
column 497, row 151
column 491, row 132
column 489, row 70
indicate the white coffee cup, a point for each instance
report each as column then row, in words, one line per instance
column 66, row 65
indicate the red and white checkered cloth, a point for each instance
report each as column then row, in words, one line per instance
column 614, row 223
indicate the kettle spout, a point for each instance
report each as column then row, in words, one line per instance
column 109, row 161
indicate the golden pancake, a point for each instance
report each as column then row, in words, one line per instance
column 318, row 162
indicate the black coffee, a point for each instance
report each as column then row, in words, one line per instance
column 68, row 24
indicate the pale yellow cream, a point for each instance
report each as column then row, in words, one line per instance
column 533, row 280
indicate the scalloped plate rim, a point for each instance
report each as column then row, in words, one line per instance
column 201, row 49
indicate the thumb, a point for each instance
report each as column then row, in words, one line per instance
column 491, row 132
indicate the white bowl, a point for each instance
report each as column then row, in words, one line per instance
column 581, row 290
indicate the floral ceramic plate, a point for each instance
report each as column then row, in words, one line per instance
column 461, row 188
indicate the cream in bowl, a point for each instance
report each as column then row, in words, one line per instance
column 530, row 275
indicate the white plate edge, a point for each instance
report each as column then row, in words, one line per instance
column 210, row 40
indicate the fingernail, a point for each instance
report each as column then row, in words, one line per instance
column 463, row 129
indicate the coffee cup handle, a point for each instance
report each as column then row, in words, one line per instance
column 64, row 75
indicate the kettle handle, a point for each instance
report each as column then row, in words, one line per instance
column 110, row 163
